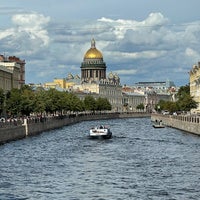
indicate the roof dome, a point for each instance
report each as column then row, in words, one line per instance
column 93, row 52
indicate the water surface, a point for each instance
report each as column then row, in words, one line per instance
column 139, row 162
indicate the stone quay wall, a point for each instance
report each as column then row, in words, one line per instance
column 12, row 133
column 188, row 123
column 37, row 125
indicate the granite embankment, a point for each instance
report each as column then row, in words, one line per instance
column 188, row 123
column 35, row 126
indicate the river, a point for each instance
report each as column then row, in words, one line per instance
column 138, row 162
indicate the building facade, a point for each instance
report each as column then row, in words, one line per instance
column 195, row 85
column 12, row 72
column 95, row 81
column 159, row 87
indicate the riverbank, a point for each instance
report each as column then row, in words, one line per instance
column 186, row 123
column 35, row 126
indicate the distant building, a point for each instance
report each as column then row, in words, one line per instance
column 12, row 72
column 131, row 100
column 95, row 81
column 63, row 83
column 160, row 87
column 195, row 85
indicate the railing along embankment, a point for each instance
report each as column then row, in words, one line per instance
column 188, row 123
column 36, row 125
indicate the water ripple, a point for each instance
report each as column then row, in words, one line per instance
column 138, row 162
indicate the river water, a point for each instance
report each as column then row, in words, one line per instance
column 138, row 162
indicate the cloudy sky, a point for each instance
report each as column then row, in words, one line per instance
column 154, row 40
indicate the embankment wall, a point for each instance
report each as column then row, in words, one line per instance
column 12, row 133
column 183, row 122
column 34, row 127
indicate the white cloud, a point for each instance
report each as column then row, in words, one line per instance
column 121, row 26
column 34, row 24
column 192, row 53
column 129, row 47
column 27, row 37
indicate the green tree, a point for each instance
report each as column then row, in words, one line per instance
column 52, row 101
column 90, row 103
column 27, row 101
column 185, row 100
column 14, row 102
column 39, row 101
column 73, row 103
column 140, row 106
column 103, row 104
column 2, row 100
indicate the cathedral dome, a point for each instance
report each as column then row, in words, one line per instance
column 93, row 52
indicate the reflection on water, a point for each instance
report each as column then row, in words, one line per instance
column 139, row 162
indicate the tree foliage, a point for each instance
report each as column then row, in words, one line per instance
column 140, row 106
column 185, row 101
column 2, row 98
column 90, row 103
column 26, row 101
column 103, row 104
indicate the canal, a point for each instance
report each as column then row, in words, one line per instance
column 139, row 162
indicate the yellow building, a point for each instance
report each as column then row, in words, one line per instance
column 195, row 85
column 57, row 83
column 63, row 83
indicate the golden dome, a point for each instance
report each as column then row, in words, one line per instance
column 93, row 52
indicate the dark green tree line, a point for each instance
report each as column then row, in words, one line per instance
column 185, row 101
column 20, row 102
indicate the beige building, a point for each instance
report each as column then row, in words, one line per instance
column 195, row 85
column 12, row 72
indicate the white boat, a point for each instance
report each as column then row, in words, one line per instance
column 158, row 124
column 100, row 132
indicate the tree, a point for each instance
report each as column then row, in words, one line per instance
column 90, row 103
column 27, row 101
column 103, row 104
column 2, row 99
column 185, row 100
column 39, row 101
column 140, row 106
column 51, row 101
column 75, row 104
column 14, row 102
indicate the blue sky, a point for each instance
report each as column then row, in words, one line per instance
column 140, row 40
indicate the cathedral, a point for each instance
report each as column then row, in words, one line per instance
column 94, row 79
column 93, row 67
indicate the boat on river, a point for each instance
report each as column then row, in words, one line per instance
column 158, row 124
column 103, row 132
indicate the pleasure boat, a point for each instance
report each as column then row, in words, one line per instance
column 158, row 124
column 100, row 132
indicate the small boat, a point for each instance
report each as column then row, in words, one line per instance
column 103, row 132
column 158, row 124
